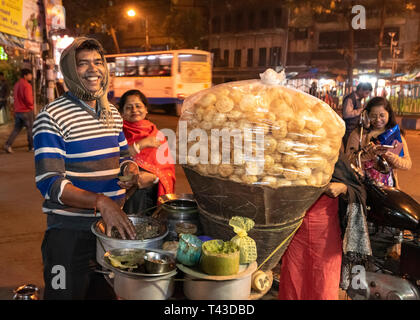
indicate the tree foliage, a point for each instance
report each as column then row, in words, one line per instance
column 90, row 16
column 186, row 27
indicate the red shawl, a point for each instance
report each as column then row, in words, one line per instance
column 147, row 158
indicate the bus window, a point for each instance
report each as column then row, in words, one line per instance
column 190, row 58
column 159, row 65
column 131, row 67
column 143, row 66
column 120, row 67
column 111, row 68
column 194, row 68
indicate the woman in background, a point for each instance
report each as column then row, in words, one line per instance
column 381, row 118
column 149, row 149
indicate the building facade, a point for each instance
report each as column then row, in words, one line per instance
column 322, row 44
column 247, row 36
column 145, row 30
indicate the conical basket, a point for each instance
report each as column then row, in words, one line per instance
column 276, row 212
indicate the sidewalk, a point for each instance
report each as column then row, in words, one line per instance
column 6, row 129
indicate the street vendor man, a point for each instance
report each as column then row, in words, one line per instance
column 80, row 150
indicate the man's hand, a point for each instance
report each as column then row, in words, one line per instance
column 111, row 212
column 334, row 189
column 146, row 179
column 131, row 170
column 113, row 216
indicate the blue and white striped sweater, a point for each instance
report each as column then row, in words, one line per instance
column 72, row 145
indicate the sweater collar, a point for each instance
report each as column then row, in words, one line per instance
column 84, row 105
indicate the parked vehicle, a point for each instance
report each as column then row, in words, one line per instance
column 165, row 77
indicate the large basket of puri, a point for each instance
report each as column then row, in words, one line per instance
column 259, row 150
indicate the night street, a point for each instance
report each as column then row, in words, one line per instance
column 299, row 94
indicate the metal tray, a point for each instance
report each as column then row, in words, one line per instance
column 136, row 274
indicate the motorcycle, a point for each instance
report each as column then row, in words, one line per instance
column 394, row 231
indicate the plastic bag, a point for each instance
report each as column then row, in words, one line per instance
column 247, row 246
column 260, row 132
column 392, row 137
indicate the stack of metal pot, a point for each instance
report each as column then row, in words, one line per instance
column 178, row 208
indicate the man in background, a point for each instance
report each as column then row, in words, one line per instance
column 24, row 110
column 353, row 107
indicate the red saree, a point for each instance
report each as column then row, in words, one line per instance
column 311, row 265
column 148, row 158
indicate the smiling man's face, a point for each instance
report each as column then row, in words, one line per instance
column 91, row 69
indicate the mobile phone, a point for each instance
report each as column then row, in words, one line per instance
column 387, row 146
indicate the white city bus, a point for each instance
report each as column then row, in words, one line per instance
column 165, row 77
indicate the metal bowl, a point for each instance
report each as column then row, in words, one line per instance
column 156, row 263
column 105, row 243
column 98, row 228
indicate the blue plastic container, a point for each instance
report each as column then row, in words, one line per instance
column 189, row 250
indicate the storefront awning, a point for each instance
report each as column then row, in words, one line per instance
column 11, row 41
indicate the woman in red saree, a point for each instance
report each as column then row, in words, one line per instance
column 149, row 149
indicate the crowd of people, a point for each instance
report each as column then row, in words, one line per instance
column 83, row 144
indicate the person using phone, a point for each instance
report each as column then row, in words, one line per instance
column 381, row 119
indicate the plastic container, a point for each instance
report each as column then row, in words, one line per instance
column 189, row 250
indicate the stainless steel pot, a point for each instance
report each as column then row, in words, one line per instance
column 176, row 208
column 199, row 286
column 105, row 243
column 237, row 289
column 144, row 288
column 129, row 286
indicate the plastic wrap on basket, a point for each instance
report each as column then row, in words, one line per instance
column 260, row 132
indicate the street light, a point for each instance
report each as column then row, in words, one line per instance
column 392, row 35
column 394, row 51
column 132, row 13
column 394, row 63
